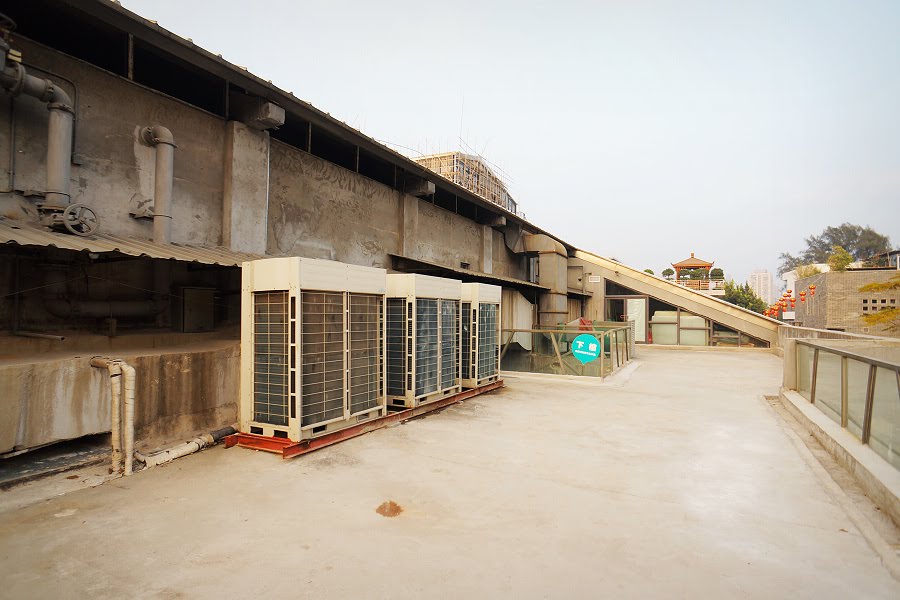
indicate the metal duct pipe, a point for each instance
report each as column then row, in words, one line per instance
column 15, row 80
column 553, row 305
column 161, row 138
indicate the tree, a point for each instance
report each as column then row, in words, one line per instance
column 649, row 271
column 839, row 260
column 667, row 273
column 699, row 273
column 807, row 271
column 861, row 242
column 743, row 296
column 717, row 273
column 889, row 318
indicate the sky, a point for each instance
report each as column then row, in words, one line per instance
column 639, row 130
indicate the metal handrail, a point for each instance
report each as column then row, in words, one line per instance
column 795, row 332
column 846, row 355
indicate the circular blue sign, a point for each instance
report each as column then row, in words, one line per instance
column 585, row 348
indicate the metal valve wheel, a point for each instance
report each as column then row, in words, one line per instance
column 80, row 220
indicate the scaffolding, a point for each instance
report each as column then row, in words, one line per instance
column 471, row 172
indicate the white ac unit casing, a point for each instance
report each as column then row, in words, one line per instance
column 480, row 334
column 423, row 339
column 312, row 346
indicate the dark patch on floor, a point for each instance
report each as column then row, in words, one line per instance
column 389, row 509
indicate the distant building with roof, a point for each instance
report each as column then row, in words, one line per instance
column 838, row 304
column 712, row 287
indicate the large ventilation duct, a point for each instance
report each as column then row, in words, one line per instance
column 552, row 273
column 161, row 138
column 15, row 80
column 59, row 304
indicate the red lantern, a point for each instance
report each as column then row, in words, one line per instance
column 789, row 292
column 812, row 290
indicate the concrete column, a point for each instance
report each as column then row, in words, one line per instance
column 487, row 251
column 790, row 364
column 245, row 214
column 409, row 223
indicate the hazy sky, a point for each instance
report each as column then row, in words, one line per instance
column 635, row 129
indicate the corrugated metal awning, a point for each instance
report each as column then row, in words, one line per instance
column 414, row 265
column 23, row 234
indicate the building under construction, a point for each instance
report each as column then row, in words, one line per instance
column 471, row 172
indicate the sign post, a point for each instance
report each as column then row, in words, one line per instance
column 586, row 348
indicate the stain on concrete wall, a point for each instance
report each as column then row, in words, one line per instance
column 319, row 210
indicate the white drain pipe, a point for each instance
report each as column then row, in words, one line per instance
column 129, row 377
column 119, row 370
column 115, row 392
column 189, row 447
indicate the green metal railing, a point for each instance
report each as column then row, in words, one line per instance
column 550, row 350
column 856, row 388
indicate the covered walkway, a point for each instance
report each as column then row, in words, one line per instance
column 661, row 482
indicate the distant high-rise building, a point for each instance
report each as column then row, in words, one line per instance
column 760, row 282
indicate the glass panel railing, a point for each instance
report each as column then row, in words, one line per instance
column 828, row 385
column 884, row 437
column 857, row 387
column 804, row 370
column 549, row 351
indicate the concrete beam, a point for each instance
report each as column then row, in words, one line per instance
column 416, row 186
column 487, row 249
column 409, row 224
column 256, row 112
column 245, row 209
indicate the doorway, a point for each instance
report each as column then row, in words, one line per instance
column 629, row 308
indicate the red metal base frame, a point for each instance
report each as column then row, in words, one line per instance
column 289, row 449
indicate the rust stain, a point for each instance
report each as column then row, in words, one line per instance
column 389, row 509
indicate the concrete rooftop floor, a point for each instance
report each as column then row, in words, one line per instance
column 676, row 480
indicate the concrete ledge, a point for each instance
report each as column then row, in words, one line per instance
column 878, row 478
column 677, row 348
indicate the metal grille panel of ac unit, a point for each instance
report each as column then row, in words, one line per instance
column 426, row 346
column 365, row 355
column 396, row 346
column 271, row 337
column 466, row 309
column 487, row 340
column 322, row 356
column 449, row 344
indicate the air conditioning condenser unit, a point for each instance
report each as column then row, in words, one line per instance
column 312, row 346
column 423, row 339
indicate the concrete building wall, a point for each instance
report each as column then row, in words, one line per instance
column 838, row 303
column 320, row 210
column 177, row 391
column 115, row 174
